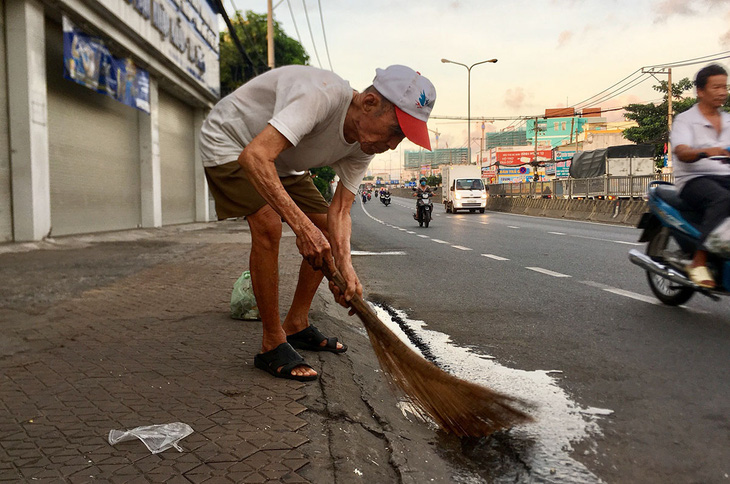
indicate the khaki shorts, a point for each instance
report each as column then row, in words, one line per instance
column 235, row 196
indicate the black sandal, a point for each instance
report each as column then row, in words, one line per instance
column 311, row 339
column 283, row 356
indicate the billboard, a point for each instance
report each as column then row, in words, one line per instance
column 87, row 61
column 520, row 157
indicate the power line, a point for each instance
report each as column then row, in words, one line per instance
column 608, row 88
column 321, row 19
column 311, row 34
column 699, row 60
column 251, row 41
column 234, row 35
column 617, row 93
column 299, row 37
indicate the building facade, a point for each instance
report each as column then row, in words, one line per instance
column 101, row 103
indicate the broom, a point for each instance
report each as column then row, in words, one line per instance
column 457, row 406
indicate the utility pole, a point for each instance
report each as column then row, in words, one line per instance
column 270, row 33
column 534, row 160
column 481, row 145
column 670, row 113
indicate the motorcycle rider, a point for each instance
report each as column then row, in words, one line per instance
column 698, row 134
column 422, row 188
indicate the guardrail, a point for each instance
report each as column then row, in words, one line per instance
column 599, row 187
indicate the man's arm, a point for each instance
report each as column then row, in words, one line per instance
column 339, row 227
column 683, row 141
column 690, row 155
column 257, row 159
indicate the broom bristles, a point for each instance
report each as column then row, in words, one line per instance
column 457, row 406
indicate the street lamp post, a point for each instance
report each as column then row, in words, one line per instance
column 468, row 96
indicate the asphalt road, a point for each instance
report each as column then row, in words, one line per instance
column 649, row 382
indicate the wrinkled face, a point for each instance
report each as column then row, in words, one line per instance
column 379, row 132
column 715, row 92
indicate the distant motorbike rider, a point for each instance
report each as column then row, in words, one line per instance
column 422, row 188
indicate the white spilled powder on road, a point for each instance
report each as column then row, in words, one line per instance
column 560, row 422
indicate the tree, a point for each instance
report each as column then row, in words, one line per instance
column 322, row 177
column 251, row 31
column 652, row 118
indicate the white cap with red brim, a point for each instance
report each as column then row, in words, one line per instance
column 413, row 96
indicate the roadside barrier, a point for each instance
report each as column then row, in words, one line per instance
column 626, row 212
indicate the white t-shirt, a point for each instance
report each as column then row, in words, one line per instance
column 305, row 104
column 691, row 128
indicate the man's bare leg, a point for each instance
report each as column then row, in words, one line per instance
column 265, row 227
column 297, row 318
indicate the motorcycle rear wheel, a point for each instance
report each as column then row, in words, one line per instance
column 665, row 290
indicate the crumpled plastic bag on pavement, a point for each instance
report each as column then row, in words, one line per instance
column 243, row 302
column 157, row 438
column 718, row 242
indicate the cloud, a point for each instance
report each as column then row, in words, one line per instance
column 725, row 38
column 666, row 8
column 564, row 37
column 515, row 98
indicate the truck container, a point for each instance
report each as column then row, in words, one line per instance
column 463, row 188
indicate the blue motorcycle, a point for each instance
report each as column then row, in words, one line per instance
column 670, row 228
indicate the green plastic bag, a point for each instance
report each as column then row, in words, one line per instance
column 243, row 302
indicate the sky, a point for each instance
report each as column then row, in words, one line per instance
column 551, row 53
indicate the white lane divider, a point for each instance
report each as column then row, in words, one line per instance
column 512, row 227
column 439, row 241
column 365, row 252
column 547, row 272
column 461, row 247
column 423, row 236
column 484, row 223
column 623, row 292
column 627, row 243
column 556, row 233
column 495, row 257
column 636, row 296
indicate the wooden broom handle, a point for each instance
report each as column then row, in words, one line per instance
column 358, row 304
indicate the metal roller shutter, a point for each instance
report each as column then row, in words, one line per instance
column 177, row 160
column 94, row 153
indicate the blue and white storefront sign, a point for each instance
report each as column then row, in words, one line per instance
column 87, row 61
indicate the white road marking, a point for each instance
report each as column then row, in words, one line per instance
column 547, row 272
column 556, row 233
column 484, row 223
column 461, row 247
column 365, row 252
column 424, row 236
column 637, row 296
column 513, row 227
column 439, row 241
column 627, row 243
column 410, row 232
column 495, row 257
column 632, row 295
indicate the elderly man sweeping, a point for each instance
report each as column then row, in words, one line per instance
column 257, row 145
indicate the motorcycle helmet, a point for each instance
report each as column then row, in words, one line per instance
column 423, row 181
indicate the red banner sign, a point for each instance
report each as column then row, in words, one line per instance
column 521, row 157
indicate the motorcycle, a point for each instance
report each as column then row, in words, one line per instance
column 385, row 198
column 670, row 229
column 364, row 197
column 424, row 209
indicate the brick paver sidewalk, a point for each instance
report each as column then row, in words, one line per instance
column 155, row 346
